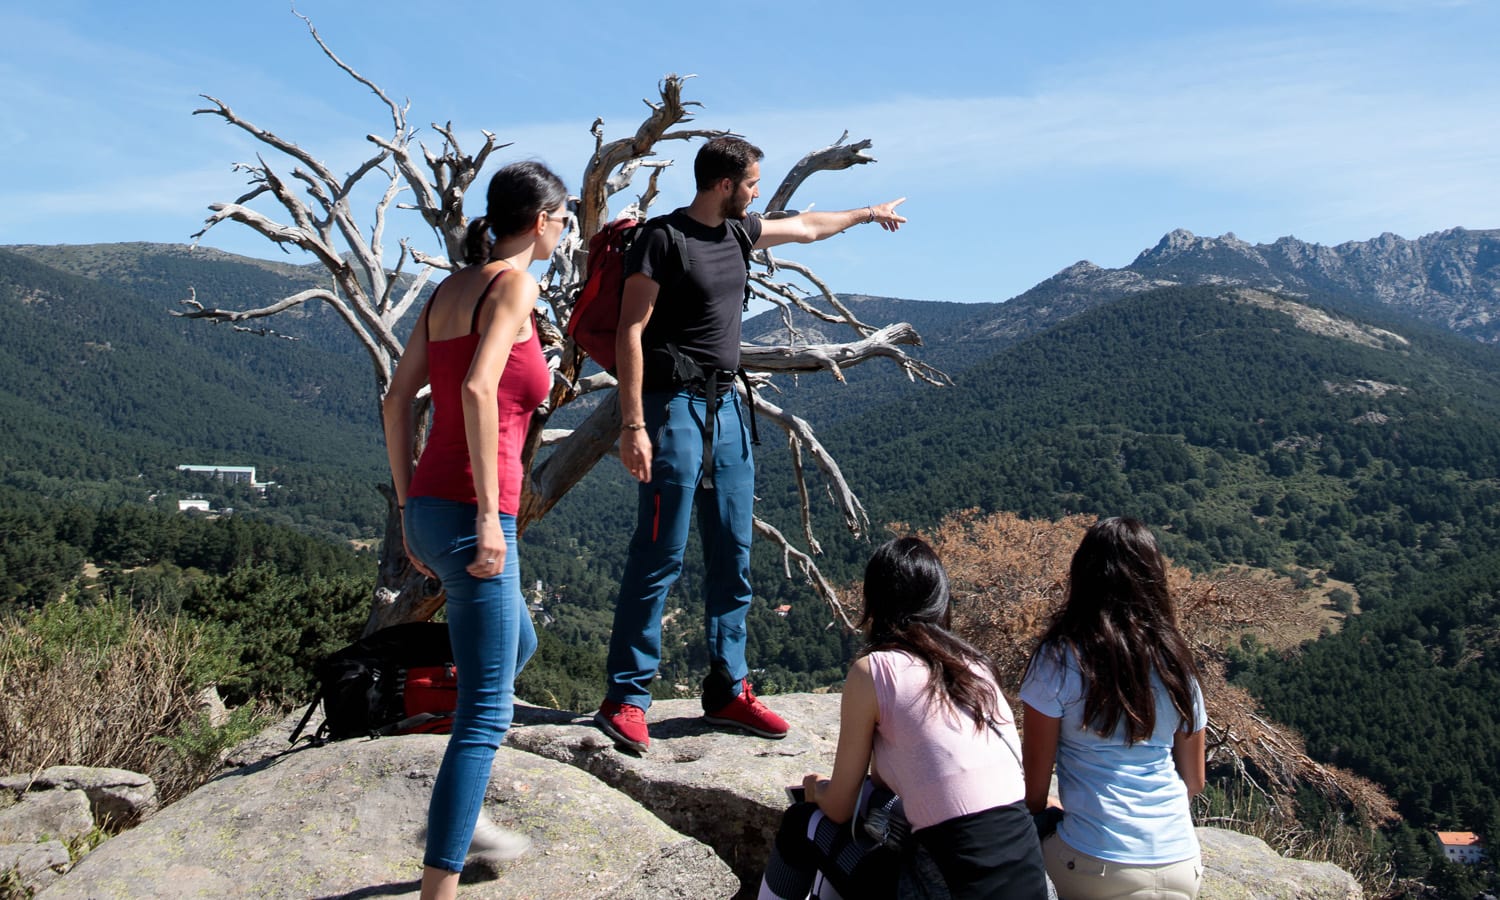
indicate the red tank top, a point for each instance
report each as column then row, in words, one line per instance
column 444, row 470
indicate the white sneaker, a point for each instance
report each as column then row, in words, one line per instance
column 494, row 844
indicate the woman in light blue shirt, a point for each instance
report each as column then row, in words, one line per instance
column 1111, row 697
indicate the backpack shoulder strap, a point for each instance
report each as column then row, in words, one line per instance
column 678, row 239
column 746, row 245
column 679, row 242
column 311, row 707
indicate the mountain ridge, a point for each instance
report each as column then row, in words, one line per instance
column 1317, row 429
column 1450, row 278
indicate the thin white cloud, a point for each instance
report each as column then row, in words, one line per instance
column 1330, row 133
column 1323, row 126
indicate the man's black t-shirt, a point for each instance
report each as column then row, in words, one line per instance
column 701, row 313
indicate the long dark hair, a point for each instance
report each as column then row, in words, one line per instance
column 517, row 194
column 1121, row 624
column 907, row 608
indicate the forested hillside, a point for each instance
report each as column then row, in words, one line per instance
column 1325, row 436
column 1406, row 694
column 1322, row 447
column 1246, row 437
column 104, row 395
column 282, row 599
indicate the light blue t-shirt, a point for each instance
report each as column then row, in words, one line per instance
column 1124, row 803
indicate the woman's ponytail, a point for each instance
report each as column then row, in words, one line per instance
column 478, row 242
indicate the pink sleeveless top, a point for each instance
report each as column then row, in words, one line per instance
column 931, row 755
column 444, row 470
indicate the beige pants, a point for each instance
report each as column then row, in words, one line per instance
column 1079, row 876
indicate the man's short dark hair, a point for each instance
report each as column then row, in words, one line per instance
column 724, row 157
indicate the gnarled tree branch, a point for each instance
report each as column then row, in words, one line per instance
column 797, row 430
column 835, row 156
column 810, row 572
column 372, row 300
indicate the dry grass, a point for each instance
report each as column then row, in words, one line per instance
column 1350, row 846
column 105, row 686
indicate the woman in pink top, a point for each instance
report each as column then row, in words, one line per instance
column 476, row 344
column 922, row 715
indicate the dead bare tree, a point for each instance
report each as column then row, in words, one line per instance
column 317, row 213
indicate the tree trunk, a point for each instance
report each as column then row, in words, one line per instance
column 402, row 594
column 372, row 300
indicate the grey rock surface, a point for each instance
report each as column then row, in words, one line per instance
column 1243, row 867
column 723, row 787
column 117, row 797
column 46, row 815
column 38, row 865
column 344, row 819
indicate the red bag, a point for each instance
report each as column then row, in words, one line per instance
column 399, row 680
column 429, row 695
column 596, row 312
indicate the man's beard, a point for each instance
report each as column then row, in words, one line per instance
column 733, row 210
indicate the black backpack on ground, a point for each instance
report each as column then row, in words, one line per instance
column 399, row 680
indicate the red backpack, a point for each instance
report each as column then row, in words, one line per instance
column 596, row 313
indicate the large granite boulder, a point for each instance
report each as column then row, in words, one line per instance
column 35, row 865
column 1242, row 867
column 117, row 798
column 345, row 820
column 723, row 787
column 46, row 815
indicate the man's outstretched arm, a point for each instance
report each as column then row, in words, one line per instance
column 804, row 228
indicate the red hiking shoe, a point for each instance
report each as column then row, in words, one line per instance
column 625, row 724
column 747, row 712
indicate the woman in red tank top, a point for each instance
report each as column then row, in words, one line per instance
column 476, row 344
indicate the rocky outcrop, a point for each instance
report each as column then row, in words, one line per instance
column 723, row 788
column 692, row 818
column 35, row 865
column 1449, row 278
column 1242, row 867
column 46, row 815
column 41, row 816
column 345, row 819
column 117, row 798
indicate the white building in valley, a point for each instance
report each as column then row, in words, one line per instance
column 1462, row 846
column 233, row 474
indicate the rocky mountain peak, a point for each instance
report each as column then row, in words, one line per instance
column 1181, row 242
column 1079, row 269
column 1174, row 242
column 1450, row 278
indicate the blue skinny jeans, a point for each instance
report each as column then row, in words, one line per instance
column 492, row 639
column 664, row 512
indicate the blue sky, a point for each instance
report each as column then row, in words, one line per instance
column 1026, row 136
